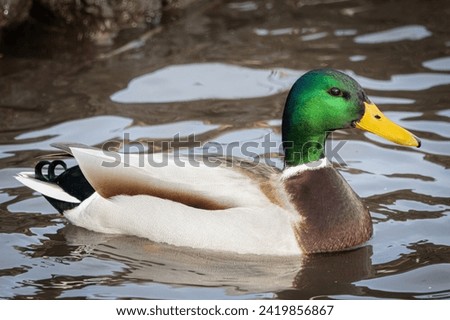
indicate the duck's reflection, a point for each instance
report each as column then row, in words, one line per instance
column 291, row 277
column 324, row 275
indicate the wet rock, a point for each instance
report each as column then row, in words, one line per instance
column 14, row 12
column 97, row 20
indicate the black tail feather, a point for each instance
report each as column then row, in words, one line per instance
column 70, row 180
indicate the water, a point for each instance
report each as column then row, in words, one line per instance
column 399, row 51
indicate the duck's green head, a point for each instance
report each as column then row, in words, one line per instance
column 324, row 100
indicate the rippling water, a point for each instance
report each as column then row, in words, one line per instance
column 221, row 71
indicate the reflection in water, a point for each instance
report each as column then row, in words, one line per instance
column 147, row 261
column 200, row 81
column 412, row 32
column 275, row 32
column 325, row 275
column 101, row 129
column 139, row 262
column 406, row 82
column 219, row 81
column 421, row 274
column 440, row 64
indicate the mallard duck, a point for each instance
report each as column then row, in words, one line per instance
column 305, row 208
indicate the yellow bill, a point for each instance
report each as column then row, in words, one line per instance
column 376, row 122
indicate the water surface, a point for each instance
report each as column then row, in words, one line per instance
column 240, row 58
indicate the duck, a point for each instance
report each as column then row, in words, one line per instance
column 229, row 204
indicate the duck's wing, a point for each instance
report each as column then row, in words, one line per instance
column 212, row 185
column 66, row 148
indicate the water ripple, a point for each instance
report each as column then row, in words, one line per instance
column 199, row 81
column 412, row 32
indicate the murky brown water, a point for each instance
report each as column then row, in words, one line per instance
column 398, row 50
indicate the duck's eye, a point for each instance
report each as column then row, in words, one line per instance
column 335, row 92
